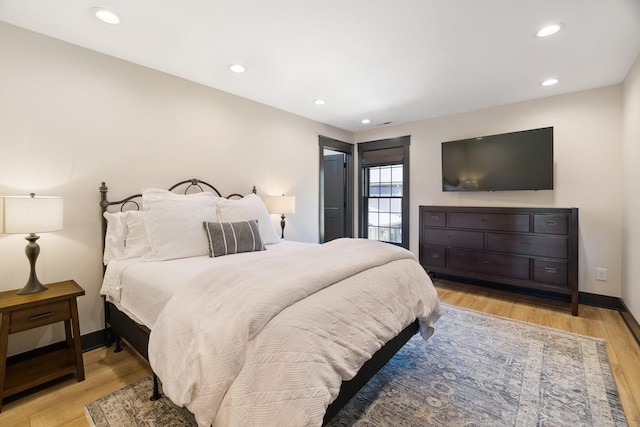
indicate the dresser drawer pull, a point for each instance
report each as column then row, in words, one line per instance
column 42, row 315
column 485, row 220
column 434, row 217
column 550, row 270
column 551, row 223
column 433, row 255
column 451, row 236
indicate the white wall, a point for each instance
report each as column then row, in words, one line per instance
column 71, row 118
column 631, row 179
column 588, row 173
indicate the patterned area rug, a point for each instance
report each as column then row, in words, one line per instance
column 477, row 370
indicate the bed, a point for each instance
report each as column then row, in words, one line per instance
column 245, row 328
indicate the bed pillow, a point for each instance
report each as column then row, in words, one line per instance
column 135, row 241
column 114, row 238
column 249, row 207
column 227, row 238
column 126, row 236
column 173, row 223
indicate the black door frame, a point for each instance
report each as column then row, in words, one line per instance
column 347, row 149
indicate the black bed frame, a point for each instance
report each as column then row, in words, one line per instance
column 119, row 326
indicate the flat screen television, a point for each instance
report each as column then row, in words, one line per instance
column 509, row 161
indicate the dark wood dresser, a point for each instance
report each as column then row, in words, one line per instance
column 534, row 248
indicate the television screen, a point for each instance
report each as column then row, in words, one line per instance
column 511, row 161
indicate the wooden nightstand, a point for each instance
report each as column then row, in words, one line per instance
column 23, row 312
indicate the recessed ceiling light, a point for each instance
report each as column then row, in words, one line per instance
column 237, row 68
column 550, row 82
column 319, row 101
column 549, row 30
column 365, row 121
column 105, row 15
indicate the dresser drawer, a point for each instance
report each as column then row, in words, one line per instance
column 32, row 317
column 433, row 256
column 528, row 244
column 489, row 221
column 551, row 223
column 434, row 219
column 465, row 260
column 552, row 272
column 454, row 238
column 514, row 267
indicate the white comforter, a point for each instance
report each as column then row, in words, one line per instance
column 271, row 342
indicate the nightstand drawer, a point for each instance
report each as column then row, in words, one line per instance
column 33, row 317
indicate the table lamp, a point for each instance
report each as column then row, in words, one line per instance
column 30, row 215
column 282, row 205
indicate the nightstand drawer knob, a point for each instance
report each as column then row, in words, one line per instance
column 42, row 315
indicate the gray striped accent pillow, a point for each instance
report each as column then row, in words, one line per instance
column 227, row 238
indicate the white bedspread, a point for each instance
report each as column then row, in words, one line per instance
column 141, row 288
column 270, row 342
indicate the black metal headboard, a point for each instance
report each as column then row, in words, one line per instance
column 189, row 184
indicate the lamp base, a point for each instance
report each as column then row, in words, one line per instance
column 32, row 250
column 282, row 223
column 32, row 287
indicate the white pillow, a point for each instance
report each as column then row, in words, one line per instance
column 135, row 241
column 249, row 207
column 114, row 238
column 126, row 236
column 173, row 223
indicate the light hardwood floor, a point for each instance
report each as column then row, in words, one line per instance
column 62, row 404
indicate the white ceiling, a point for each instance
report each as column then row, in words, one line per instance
column 386, row 60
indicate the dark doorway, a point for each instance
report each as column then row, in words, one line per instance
column 334, row 196
column 336, row 189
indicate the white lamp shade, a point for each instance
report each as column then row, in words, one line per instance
column 282, row 204
column 38, row 214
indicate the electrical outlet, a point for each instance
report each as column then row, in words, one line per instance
column 601, row 274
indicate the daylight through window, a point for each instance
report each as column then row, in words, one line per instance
column 385, row 203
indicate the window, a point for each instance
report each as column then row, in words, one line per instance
column 384, row 199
